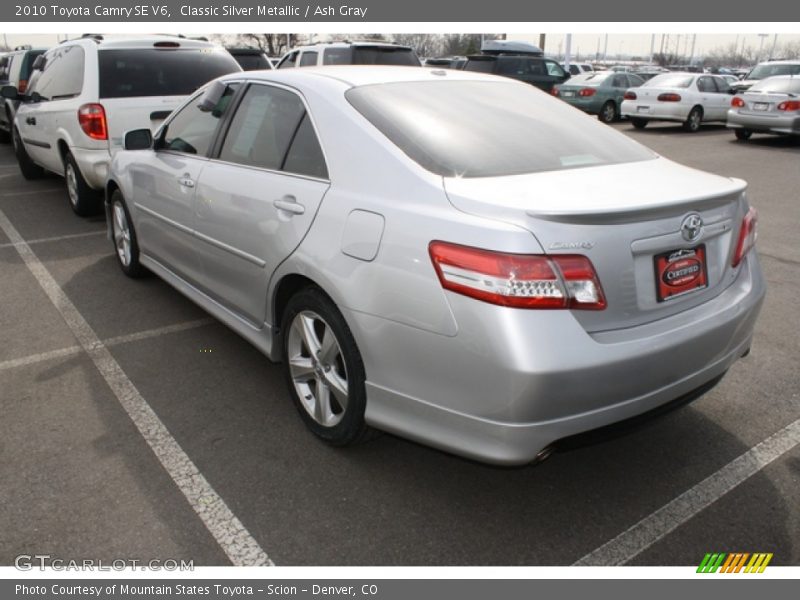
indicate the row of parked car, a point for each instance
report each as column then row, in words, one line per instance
column 769, row 105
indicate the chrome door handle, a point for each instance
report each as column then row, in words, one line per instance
column 186, row 182
column 290, row 205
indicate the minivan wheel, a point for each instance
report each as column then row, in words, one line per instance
column 123, row 235
column 28, row 168
column 638, row 123
column 84, row 200
column 324, row 369
column 742, row 134
column 608, row 113
column 693, row 121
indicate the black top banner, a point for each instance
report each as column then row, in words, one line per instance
column 438, row 11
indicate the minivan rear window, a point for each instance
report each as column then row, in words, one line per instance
column 489, row 128
column 370, row 55
column 137, row 72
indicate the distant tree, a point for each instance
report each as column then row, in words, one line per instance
column 273, row 44
column 459, row 44
column 424, row 44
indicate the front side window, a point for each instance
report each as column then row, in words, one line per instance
column 192, row 130
column 271, row 130
column 289, row 61
column 62, row 76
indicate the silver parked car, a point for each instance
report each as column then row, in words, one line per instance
column 772, row 105
column 453, row 257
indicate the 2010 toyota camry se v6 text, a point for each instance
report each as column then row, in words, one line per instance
column 453, row 257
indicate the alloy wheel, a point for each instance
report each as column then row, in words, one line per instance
column 317, row 368
column 122, row 234
column 72, row 184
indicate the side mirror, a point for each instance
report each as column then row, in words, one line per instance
column 211, row 97
column 138, row 139
column 39, row 62
column 10, row 92
column 3, row 62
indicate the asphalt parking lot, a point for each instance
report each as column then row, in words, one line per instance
column 136, row 427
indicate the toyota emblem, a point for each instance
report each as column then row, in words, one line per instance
column 692, row 227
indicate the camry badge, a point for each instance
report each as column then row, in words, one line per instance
column 692, row 227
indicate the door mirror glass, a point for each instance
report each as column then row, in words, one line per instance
column 39, row 63
column 138, row 139
column 10, row 92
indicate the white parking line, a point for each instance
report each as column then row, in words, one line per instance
column 115, row 341
column 669, row 517
column 32, row 192
column 224, row 526
column 57, row 238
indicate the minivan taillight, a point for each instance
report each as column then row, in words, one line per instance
column 669, row 97
column 23, row 85
column 748, row 233
column 92, row 118
column 737, row 102
column 629, row 95
column 518, row 280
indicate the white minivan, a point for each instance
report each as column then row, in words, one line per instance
column 86, row 93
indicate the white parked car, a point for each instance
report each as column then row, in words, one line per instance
column 688, row 98
column 350, row 53
column 84, row 94
column 577, row 68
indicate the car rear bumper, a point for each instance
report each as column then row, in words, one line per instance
column 93, row 165
column 512, row 382
column 655, row 111
column 764, row 123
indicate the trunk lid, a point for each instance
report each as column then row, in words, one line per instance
column 622, row 217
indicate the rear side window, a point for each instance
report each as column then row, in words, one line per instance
column 308, row 59
column 488, row 129
column 337, row 56
column 554, row 69
column 289, row 61
column 145, row 72
column 252, row 62
column 271, row 130
column 62, row 76
column 480, row 65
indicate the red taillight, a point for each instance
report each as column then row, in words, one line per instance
column 23, row 85
column 92, row 118
column 737, row 102
column 518, row 280
column 554, row 91
column 586, row 92
column 747, row 236
column 789, row 105
column 629, row 95
column 669, row 97
column 166, row 45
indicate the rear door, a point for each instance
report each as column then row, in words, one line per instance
column 257, row 199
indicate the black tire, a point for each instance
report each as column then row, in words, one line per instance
column 84, row 201
column 608, row 112
column 121, row 220
column 5, row 132
column 638, row 123
column 5, row 136
column 28, row 168
column 347, row 424
column 694, row 120
column 742, row 134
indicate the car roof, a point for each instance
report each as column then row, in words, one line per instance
column 358, row 75
column 145, row 41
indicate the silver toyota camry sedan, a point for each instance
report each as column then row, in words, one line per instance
column 452, row 257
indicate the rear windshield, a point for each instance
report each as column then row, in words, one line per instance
column 778, row 86
column 489, row 128
column 670, row 80
column 770, row 70
column 370, row 55
column 252, row 62
column 591, row 77
column 150, row 72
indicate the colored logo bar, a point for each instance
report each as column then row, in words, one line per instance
column 734, row 562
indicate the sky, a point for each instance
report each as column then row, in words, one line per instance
column 582, row 43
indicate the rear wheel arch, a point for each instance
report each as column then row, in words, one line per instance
column 288, row 286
